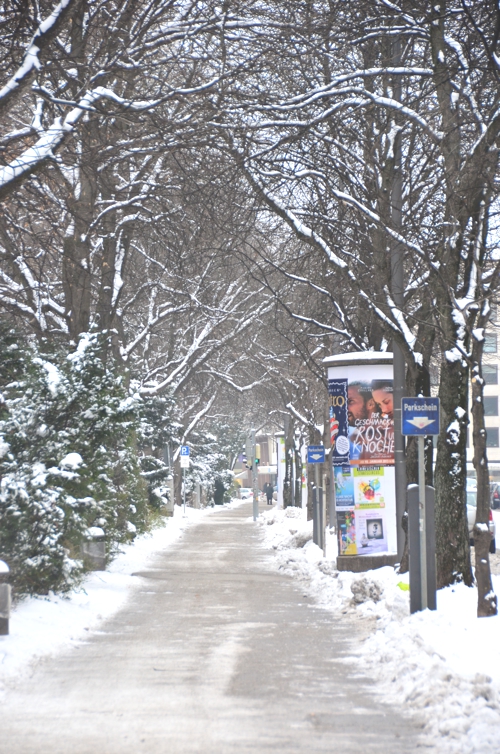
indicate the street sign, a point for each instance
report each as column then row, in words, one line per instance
column 315, row 454
column 420, row 416
column 184, row 462
column 184, row 450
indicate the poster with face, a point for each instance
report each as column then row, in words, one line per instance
column 370, row 411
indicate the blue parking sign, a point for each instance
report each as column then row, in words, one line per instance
column 184, row 450
column 420, row 416
column 315, row 454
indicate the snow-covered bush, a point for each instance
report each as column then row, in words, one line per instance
column 68, row 460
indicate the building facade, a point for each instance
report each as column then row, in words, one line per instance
column 491, row 375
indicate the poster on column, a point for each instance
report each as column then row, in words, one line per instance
column 339, row 429
column 370, row 412
column 374, row 496
column 366, row 506
column 344, row 488
column 346, row 532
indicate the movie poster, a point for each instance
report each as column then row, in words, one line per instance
column 370, row 411
column 339, row 430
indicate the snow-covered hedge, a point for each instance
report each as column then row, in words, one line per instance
column 67, row 460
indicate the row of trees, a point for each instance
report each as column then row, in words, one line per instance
column 234, row 190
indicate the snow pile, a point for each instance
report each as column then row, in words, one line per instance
column 43, row 626
column 442, row 666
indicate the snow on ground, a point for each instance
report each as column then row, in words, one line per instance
column 443, row 665
column 43, row 626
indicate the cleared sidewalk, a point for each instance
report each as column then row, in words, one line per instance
column 215, row 652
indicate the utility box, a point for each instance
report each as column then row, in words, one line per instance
column 94, row 549
column 5, row 598
column 169, row 507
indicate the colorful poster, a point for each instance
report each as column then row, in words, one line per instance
column 346, row 532
column 370, row 412
column 372, row 487
column 344, row 487
column 339, row 440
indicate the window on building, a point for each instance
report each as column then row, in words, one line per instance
column 490, row 343
column 490, row 374
column 490, row 405
column 492, row 437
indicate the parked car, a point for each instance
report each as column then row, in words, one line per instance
column 471, row 517
column 495, row 495
column 246, row 493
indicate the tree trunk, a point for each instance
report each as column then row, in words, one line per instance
column 298, row 473
column 289, row 455
column 417, row 383
column 452, row 537
column 487, row 603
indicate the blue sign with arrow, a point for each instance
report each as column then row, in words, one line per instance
column 315, row 454
column 420, row 416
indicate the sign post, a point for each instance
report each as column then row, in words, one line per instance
column 420, row 417
column 316, row 456
column 250, row 448
column 184, row 466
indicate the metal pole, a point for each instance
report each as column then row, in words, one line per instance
column 423, row 528
column 332, row 517
column 255, row 490
column 315, row 514
column 321, row 521
column 318, row 514
column 184, row 489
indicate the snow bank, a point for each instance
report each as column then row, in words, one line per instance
column 443, row 666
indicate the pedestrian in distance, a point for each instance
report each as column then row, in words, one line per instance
column 268, row 489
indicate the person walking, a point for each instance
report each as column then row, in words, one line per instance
column 268, row 489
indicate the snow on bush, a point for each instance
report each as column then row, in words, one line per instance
column 70, row 463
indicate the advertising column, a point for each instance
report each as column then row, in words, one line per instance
column 362, row 437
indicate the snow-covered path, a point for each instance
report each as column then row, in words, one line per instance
column 215, row 651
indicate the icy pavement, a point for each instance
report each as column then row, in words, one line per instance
column 44, row 626
column 213, row 651
column 442, row 666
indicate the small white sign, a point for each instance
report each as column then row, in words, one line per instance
column 184, row 462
